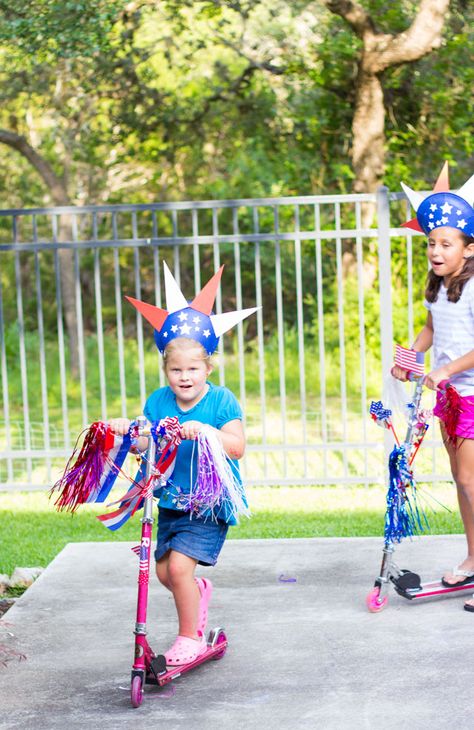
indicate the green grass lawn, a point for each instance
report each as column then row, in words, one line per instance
column 32, row 533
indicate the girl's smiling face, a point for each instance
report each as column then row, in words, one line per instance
column 187, row 373
column 447, row 252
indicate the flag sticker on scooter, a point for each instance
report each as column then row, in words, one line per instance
column 144, row 547
column 141, row 552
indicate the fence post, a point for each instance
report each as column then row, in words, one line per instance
column 385, row 292
column 385, row 279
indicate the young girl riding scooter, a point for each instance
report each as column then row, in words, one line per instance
column 186, row 335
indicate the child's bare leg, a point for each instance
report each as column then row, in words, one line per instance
column 185, row 592
column 161, row 568
column 466, row 508
column 462, row 467
column 176, row 572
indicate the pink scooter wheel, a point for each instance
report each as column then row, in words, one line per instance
column 136, row 692
column 373, row 601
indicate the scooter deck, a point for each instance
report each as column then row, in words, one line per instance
column 170, row 673
column 426, row 590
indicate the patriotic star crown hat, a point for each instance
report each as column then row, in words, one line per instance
column 193, row 320
column 443, row 207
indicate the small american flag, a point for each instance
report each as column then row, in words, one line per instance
column 410, row 360
column 378, row 412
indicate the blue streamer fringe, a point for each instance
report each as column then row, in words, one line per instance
column 404, row 517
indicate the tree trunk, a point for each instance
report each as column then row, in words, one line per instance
column 368, row 153
column 379, row 52
column 60, row 197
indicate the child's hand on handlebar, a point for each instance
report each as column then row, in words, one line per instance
column 119, row 425
column 433, row 379
column 400, row 373
column 190, row 429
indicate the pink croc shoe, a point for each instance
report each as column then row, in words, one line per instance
column 205, row 589
column 185, row 650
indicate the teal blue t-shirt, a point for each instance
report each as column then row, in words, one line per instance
column 218, row 407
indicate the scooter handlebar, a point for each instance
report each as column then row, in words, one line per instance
column 411, row 376
column 414, row 377
column 143, row 425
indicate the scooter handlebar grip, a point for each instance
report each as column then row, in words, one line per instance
column 411, row 376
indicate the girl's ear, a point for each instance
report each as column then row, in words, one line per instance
column 469, row 251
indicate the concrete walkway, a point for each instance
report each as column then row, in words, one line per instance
column 303, row 654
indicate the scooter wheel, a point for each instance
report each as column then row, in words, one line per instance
column 136, row 692
column 373, row 601
column 221, row 639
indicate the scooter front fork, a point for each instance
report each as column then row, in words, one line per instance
column 388, row 570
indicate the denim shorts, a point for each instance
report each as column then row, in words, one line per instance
column 199, row 538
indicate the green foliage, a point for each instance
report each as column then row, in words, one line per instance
column 14, row 591
column 144, row 101
column 55, row 29
column 137, row 102
column 32, row 533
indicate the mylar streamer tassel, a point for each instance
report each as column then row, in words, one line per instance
column 129, row 504
column 403, row 518
column 216, row 485
column 166, row 434
column 83, row 472
column 450, row 402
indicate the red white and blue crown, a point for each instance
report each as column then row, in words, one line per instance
column 443, row 207
column 193, row 320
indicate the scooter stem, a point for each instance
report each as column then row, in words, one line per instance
column 141, row 645
column 414, row 411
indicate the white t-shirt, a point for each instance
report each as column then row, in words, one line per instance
column 453, row 333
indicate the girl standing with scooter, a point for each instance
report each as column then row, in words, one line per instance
column 447, row 219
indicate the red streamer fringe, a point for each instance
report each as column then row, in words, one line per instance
column 451, row 405
column 83, row 470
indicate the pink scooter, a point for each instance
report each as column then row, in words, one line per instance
column 148, row 667
column 407, row 583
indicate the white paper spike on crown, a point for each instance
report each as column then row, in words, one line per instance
column 467, row 191
column 175, row 299
column 224, row 322
column 414, row 197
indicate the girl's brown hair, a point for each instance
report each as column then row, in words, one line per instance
column 456, row 285
column 186, row 343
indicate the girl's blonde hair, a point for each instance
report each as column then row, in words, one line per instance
column 182, row 344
